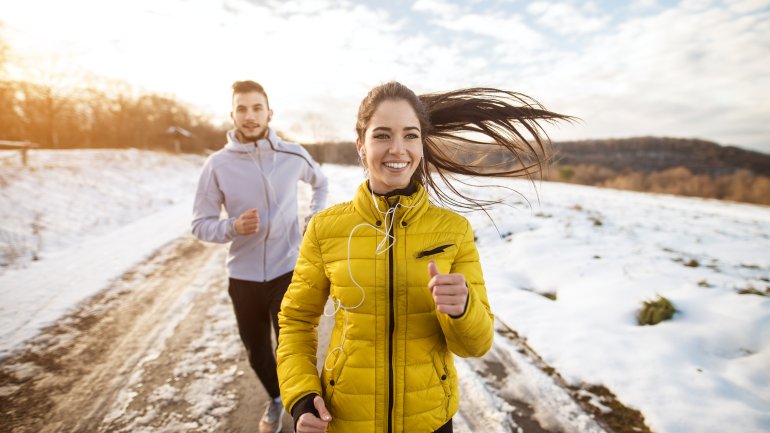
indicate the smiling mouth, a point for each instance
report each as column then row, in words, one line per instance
column 395, row 165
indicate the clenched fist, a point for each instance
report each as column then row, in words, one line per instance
column 248, row 222
column 450, row 293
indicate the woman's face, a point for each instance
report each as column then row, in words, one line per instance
column 392, row 146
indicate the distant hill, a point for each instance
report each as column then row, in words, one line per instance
column 651, row 154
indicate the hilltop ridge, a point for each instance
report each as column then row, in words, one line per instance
column 650, row 154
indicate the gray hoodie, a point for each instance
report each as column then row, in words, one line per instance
column 255, row 175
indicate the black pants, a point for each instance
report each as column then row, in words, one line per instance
column 256, row 306
column 446, row 428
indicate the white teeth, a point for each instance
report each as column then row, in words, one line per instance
column 396, row 164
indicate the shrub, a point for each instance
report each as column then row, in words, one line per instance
column 566, row 173
column 692, row 263
column 750, row 290
column 655, row 311
column 549, row 295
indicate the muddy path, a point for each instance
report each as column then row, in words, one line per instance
column 158, row 350
column 154, row 351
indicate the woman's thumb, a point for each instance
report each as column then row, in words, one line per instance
column 432, row 269
column 320, row 406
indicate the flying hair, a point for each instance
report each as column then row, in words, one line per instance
column 477, row 131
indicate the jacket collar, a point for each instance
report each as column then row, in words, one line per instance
column 373, row 207
column 233, row 144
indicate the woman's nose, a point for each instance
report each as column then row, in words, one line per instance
column 397, row 146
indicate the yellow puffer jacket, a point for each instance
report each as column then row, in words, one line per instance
column 389, row 365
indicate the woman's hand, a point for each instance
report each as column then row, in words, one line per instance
column 309, row 423
column 450, row 293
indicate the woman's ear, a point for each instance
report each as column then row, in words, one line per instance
column 360, row 148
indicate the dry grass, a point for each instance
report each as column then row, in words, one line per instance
column 741, row 186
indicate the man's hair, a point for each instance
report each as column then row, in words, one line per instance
column 249, row 86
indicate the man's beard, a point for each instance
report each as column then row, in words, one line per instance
column 258, row 134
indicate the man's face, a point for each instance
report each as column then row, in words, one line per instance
column 250, row 115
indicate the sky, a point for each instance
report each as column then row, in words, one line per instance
column 690, row 68
column 598, row 253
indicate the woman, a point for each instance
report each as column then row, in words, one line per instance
column 403, row 275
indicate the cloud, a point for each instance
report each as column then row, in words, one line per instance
column 566, row 19
column 687, row 71
column 746, row 6
column 440, row 8
column 695, row 69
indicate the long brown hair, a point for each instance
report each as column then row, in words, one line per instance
column 473, row 122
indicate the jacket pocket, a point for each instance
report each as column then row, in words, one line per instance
column 442, row 372
column 432, row 252
column 332, row 372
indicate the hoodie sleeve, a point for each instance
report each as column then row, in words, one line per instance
column 317, row 180
column 206, row 224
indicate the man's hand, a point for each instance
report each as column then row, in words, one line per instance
column 309, row 423
column 248, row 222
column 449, row 291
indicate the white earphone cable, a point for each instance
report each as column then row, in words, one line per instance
column 381, row 248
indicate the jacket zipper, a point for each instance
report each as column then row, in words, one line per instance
column 391, row 325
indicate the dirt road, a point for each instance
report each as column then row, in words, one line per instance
column 158, row 350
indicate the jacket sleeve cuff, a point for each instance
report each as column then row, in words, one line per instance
column 231, row 228
column 303, row 406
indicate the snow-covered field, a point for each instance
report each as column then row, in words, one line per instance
column 74, row 220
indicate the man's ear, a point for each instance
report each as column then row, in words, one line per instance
column 269, row 115
column 232, row 117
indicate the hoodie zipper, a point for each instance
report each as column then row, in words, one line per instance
column 267, row 204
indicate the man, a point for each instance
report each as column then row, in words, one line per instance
column 255, row 178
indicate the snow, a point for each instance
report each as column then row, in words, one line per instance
column 75, row 220
column 203, row 397
column 602, row 253
column 96, row 213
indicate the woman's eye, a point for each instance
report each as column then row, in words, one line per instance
column 412, row 136
column 381, row 137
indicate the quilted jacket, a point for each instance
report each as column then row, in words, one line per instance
column 389, row 365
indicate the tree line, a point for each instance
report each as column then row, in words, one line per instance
column 111, row 116
column 60, row 111
column 651, row 154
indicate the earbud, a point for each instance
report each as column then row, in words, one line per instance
column 360, row 152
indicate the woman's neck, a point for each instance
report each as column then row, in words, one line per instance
column 407, row 190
